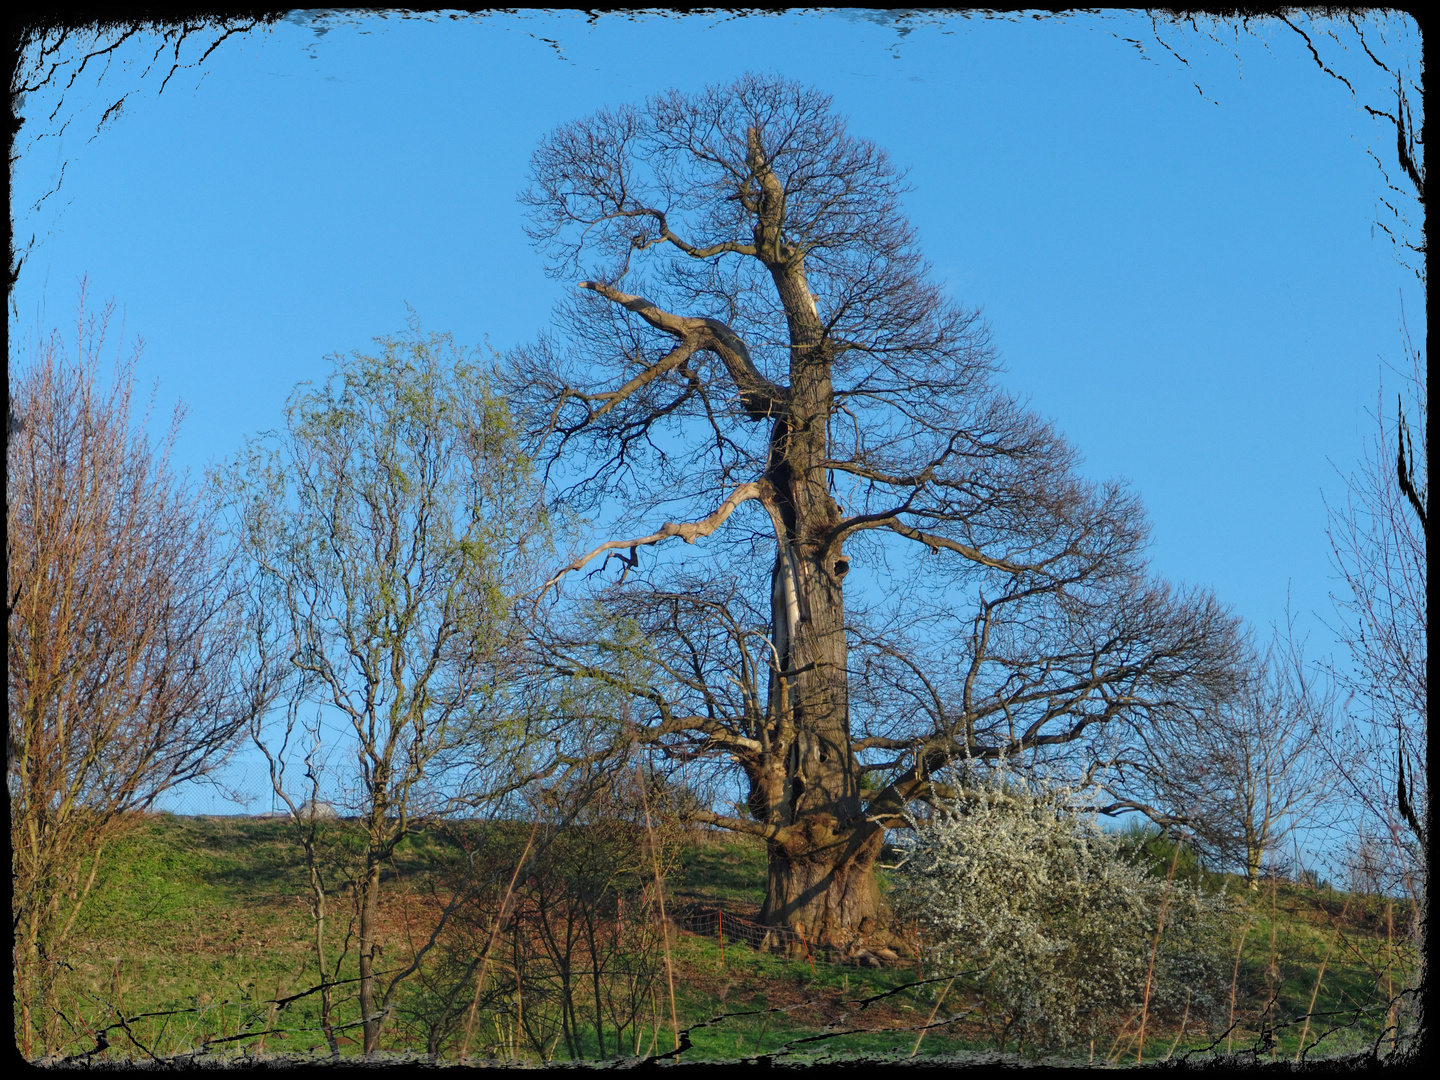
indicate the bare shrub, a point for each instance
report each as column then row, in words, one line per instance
column 122, row 649
column 558, row 946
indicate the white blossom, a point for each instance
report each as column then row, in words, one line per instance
column 1015, row 888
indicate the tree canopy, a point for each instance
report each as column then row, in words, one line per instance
column 758, row 351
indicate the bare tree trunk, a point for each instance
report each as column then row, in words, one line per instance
column 369, row 917
column 827, row 892
column 318, row 913
column 821, row 878
column 1253, row 869
column 27, row 968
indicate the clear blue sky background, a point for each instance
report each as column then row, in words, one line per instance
column 1176, row 257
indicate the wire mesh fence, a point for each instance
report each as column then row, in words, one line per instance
column 238, row 790
column 731, row 929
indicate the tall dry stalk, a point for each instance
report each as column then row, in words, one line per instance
column 1234, row 985
column 1183, row 1021
column 1154, row 951
column 933, row 1012
column 494, row 931
column 1389, row 972
column 660, row 900
column 1117, row 1051
column 1321, row 977
column 1315, row 993
column 1272, row 972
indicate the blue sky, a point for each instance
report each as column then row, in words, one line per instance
column 1176, row 257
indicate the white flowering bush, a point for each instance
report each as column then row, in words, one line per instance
column 1055, row 925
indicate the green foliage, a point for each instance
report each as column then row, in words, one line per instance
column 391, row 526
column 391, row 529
column 1162, row 855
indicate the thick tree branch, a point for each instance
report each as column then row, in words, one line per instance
column 759, row 397
column 680, row 326
column 734, row 824
column 935, row 542
column 689, row 531
column 703, row 251
column 675, row 358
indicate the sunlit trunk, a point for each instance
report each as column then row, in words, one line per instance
column 821, row 880
column 826, row 891
column 1253, row 855
column 369, row 918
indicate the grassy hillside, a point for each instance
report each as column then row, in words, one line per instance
column 199, row 934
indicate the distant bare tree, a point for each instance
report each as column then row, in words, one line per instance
column 1378, row 537
column 1248, row 770
column 122, row 643
column 794, row 390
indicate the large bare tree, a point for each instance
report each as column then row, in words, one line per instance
column 758, row 353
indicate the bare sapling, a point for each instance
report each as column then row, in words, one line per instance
column 122, row 646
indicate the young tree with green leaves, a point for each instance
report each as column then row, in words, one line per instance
column 389, row 527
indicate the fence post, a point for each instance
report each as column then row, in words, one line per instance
column 721, row 913
column 808, row 955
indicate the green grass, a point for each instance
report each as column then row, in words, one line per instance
column 196, row 925
column 1293, row 930
column 722, row 870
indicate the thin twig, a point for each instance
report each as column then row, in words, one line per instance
column 938, row 1002
column 1234, row 984
column 660, row 899
column 1183, row 1021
